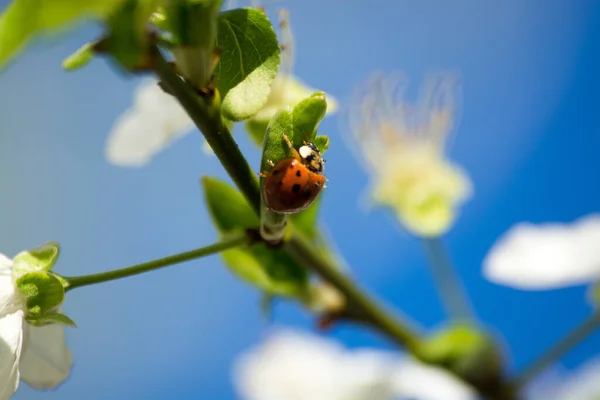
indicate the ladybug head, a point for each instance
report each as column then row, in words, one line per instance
column 311, row 157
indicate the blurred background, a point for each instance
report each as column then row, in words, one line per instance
column 528, row 137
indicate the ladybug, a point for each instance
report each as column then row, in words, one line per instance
column 294, row 182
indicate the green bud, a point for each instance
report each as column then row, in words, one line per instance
column 194, row 28
column 43, row 293
column 469, row 353
column 38, row 259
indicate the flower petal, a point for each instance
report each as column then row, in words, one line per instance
column 415, row 380
column 546, row 256
column 295, row 366
column 46, row 361
column 155, row 120
column 11, row 339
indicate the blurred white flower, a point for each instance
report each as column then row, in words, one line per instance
column 579, row 384
column 37, row 355
column 295, row 366
column 153, row 122
column 402, row 146
column 546, row 256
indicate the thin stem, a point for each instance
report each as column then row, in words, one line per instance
column 450, row 287
column 558, row 350
column 371, row 312
column 85, row 280
column 208, row 119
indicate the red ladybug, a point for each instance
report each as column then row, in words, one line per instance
column 294, row 182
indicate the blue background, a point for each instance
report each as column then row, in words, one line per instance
column 528, row 137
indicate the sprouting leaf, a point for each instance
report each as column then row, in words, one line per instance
column 80, row 58
column 24, row 19
column 299, row 124
column 51, row 318
column 248, row 63
column 307, row 116
column 322, row 143
column 271, row 270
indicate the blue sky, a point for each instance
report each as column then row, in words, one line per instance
column 528, row 137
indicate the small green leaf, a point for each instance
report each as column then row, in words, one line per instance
column 43, row 292
column 307, row 116
column 299, row 124
column 322, row 143
column 23, row 19
column 228, row 208
column 51, row 318
column 80, row 58
column 248, row 63
column 271, row 270
column 39, row 259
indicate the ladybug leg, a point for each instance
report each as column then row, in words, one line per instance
column 292, row 149
column 264, row 174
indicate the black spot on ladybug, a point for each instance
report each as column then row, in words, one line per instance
column 296, row 188
column 292, row 166
column 276, row 171
column 307, row 193
column 298, row 173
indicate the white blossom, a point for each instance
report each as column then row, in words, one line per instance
column 402, row 146
column 546, row 256
column 37, row 355
column 295, row 366
column 580, row 384
column 155, row 120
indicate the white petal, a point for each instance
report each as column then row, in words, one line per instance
column 11, row 339
column 546, row 256
column 10, row 299
column 155, row 120
column 419, row 381
column 296, row 366
column 46, row 361
column 581, row 384
column 5, row 263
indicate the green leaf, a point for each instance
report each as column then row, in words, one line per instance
column 51, row 318
column 271, row 270
column 24, row 19
column 228, row 208
column 80, row 58
column 299, row 124
column 322, row 143
column 248, row 63
column 38, row 259
column 307, row 116
column 42, row 291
